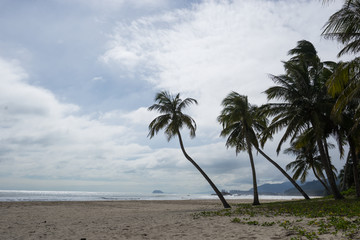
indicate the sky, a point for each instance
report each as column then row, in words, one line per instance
column 77, row 77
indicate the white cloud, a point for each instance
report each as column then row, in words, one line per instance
column 19, row 99
column 123, row 56
column 42, row 137
column 203, row 51
column 216, row 47
column 57, row 145
column 98, row 79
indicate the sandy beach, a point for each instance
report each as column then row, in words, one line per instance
column 130, row 220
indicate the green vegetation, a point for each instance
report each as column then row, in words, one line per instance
column 314, row 218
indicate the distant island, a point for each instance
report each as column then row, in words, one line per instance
column 157, row 191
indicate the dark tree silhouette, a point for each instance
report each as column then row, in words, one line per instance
column 172, row 119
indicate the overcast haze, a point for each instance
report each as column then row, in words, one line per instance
column 77, row 76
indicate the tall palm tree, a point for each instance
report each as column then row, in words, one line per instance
column 242, row 123
column 344, row 26
column 239, row 121
column 173, row 120
column 304, row 102
column 344, row 85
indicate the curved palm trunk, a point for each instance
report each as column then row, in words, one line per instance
column 284, row 173
column 355, row 166
column 328, row 170
column 226, row 205
column 256, row 194
column 321, row 181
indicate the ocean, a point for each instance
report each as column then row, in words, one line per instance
column 23, row 196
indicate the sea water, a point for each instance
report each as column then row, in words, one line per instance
column 15, row 195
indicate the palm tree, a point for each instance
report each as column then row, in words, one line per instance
column 304, row 103
column 344, row 85
column 307, row 158
column 173, row 120
column 242, row 123
column 344, row 26
column 239, row 121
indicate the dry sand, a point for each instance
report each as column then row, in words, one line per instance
column 129, row 220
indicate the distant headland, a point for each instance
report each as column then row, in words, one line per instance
column 157, row 191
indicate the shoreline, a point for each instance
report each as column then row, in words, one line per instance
column 17, row 195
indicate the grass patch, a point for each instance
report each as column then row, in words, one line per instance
column 316, row 217
column 315, row 208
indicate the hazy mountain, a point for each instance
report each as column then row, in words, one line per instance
column 313, row 188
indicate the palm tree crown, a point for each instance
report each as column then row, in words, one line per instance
column 305, row 102
column 303, row 95
column 172, row 118
column 242, row 123
column 239, row 120
column 344, row 26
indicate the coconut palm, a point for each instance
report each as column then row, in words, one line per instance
column 172, row 119
column 344, row 26
column 304, row 103
column 344, row 85
column 239, row 121
column 307, row 158
column 242, row 123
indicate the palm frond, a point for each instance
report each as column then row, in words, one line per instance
column 157, row 124
column 172, row 119
column 344, row 26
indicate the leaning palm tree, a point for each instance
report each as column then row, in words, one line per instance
column 238, row 121
column 173, row 120
column 344, row 26
column 242, row 123
column 304, row 103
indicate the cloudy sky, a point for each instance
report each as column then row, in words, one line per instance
column 77, row 76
